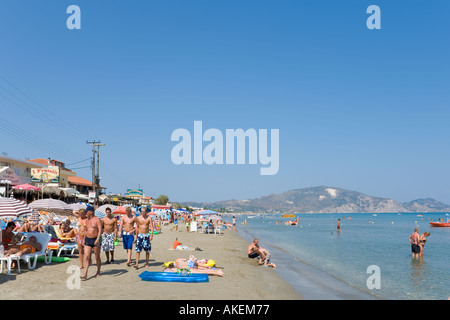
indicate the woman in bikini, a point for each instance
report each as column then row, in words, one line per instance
column 422, row 241
column 82, row 218
column 66, row 230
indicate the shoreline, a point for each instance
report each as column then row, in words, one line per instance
column 306, row 279
column 244, row 278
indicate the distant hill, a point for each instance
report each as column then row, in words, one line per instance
column 324, row 199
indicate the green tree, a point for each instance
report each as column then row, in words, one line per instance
column 162, row 200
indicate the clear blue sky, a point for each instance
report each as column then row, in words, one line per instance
column 361, row 109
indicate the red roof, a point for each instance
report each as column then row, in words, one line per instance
column 40, row 161
column 79, row 181
column 156, row 206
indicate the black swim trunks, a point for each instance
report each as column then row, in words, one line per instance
column 415, row 248
column 253, row 255
column 90, row 242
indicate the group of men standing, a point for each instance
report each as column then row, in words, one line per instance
column 132, row 229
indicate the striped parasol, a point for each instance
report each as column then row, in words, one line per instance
column 78, row 206
column 101, row 211
column 13, row 208
column 52, row 205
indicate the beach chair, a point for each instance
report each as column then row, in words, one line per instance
column 31, row 258
column 67, row 245
column 56, row 244
column 44, row 218
column 193, row 226
column 60, row 237
column 217, row 230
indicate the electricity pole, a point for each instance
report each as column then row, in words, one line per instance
column 95, row 175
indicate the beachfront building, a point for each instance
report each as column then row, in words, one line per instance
column 21, row 168
column 60, row 170
column 42, row 172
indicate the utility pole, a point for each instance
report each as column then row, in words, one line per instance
column 95, row 175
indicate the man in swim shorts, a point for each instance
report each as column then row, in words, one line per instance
column 144, row 226
column 255, row 253
column 92, row 241
column 109, row 223
column 127, row 230
column 414, row 241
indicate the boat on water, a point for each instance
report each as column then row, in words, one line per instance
column 439, row 224
column 288, row 216
column 291, row 223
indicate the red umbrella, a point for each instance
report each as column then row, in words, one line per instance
column 120, row 210
column 26, row 186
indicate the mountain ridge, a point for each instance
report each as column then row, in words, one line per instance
column 324, row 199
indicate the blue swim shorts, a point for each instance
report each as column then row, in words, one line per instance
column 143, row 243
column 128, row 240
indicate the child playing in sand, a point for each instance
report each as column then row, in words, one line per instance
column 266, row 261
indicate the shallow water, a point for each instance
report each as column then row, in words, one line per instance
column 322, row 263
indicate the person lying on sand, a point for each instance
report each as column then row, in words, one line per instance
column 194, row 266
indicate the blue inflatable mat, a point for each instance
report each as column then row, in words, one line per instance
column 173, row 277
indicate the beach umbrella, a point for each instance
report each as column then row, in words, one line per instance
column 149, row 210
column 78, row 206
column 101, row 211
column 120, row 210
column 52, row 205
column 100, row 214
column 26, row 187
column 13, row 208
column 205, row 213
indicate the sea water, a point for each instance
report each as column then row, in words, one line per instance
column 323, row 263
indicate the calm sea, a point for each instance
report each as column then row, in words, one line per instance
column 322, row 263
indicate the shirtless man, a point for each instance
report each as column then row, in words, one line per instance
column 143, row 238
column 414, row 241
column 255, row 253
column 92, row 241
column 109, row 223
column 127, row 230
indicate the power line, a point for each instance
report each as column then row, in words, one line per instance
column 27, row 137
column 78, row 161
column 68, row 127
column 80, row 168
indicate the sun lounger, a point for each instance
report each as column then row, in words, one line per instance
column 8, row 260
column 31, row 258
column 60, row 237
column 63, row 245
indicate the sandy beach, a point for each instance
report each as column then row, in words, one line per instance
column 244, row 278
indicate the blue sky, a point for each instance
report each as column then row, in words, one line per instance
column 361, row 109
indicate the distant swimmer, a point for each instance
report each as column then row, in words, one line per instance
column 338, row 225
